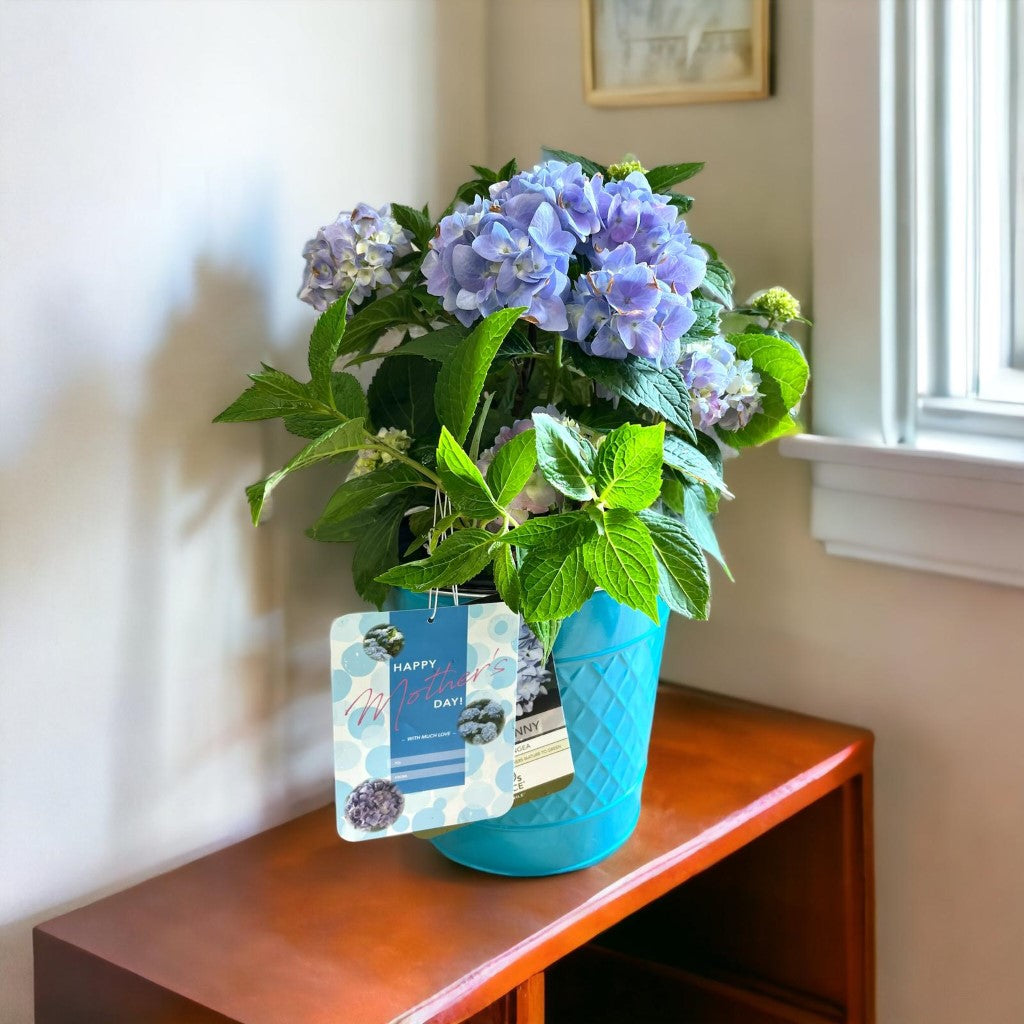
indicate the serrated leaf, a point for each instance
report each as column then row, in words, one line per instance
column 463, row 482
column 508, row 170
column 775, row 356
column 564, row 458
column 699, row 520
column 347, row 437
column 256, row 403
column 784, row 377
column 662, row 178
column 328, row 332
column 376, row 552
column 693, row 463
column 401, row 395
column 437, row 346
column 555, row 584
column 546, row 633
column 621, row 560
column 462, row 376
column 457, row 559
column 709, row 318
column 627, row 469
column 683, row 203
column 683, row 572
column 377, row 317
column 718, row 282
column 639, row 382
column 512, row 467
column 416, row 223
column 589, row 166
column 362, row 492
column 545, row 533
column 506, row 578
column 349, row 401
column 280, row 383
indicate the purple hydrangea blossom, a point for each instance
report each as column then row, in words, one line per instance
column 621, row 308
column 723, row 389
column 496, row 254
column 374, row 805
column 532, row 675
column 631, row 213
column 358, row 250
column 566, row 187
column 538, row 496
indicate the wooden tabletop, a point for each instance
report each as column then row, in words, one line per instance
column 295, row 925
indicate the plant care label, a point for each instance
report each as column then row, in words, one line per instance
column 424, row 718
column 543, row 758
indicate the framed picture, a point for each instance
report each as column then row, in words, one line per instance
column 638, row 52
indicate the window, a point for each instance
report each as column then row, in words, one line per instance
column 918, row 459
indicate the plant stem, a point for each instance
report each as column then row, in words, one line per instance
column 556, row 370
column 376, row 442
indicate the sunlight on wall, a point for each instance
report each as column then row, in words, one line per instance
column 161, row 166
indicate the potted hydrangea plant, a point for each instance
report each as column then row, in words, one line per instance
column 552, row 399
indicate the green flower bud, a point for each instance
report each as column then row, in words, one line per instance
column 777, row 305
column 616, row 172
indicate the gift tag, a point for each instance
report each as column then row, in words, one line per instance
column 543, row 758
column 424, row 718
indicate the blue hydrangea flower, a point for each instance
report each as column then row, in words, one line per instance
column 358, row 250
column 481, row 721
column 723, row 389
column 621, row 308
column 563, row 185
column 374, row 805
column 631, row 213
column 496, row 254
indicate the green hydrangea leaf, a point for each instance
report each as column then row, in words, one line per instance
column 699, row 519
column 436, row 345
column 324, row 342
column 401, row 395
column 462, row 376
column 349, row 401
column 589, row 166
column 555, row 584
column 545, row 533
column 784, row 377
column 547, row 634
column 709, row 318
column 376, row 317
column 376, row 552
column 662, row 178
column 643, row 384
column 457, row 559
column 362, row 492
column 463, row 482
column 718, row 282
column 346, row 437
column 260, row 403
column 506, row 578
column 683, row 572
column 627, row 469
column 416, row 222
column 512, row 467
column 684, row 204
column 693, row 463
column 621, row 559
column 565, row 458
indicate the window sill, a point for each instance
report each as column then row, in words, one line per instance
column 956, row 513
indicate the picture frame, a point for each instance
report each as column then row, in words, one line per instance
column 646, row 52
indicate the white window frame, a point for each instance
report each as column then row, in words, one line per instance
column 947, row 500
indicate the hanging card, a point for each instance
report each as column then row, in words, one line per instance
column 424, row 718
column 543, row 758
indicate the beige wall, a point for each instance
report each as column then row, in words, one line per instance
column 933, row 665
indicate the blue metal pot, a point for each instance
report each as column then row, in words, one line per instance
column 607, row 660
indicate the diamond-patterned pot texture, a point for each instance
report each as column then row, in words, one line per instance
column 607, row 660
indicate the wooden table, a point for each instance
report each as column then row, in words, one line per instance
column 745, row 895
